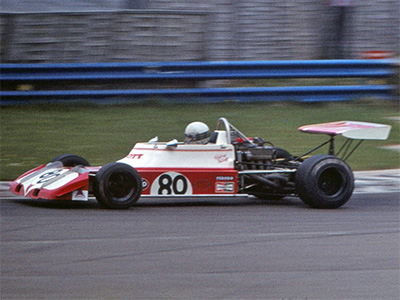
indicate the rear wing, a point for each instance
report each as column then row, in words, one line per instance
column 351, row 130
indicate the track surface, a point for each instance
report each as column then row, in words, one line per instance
column 201, row 249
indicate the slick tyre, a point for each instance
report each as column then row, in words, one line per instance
column 117, row 186
column 324, row 181
column 71, row 160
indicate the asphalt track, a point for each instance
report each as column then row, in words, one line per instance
column 201, row 249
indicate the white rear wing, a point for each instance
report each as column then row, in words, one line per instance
column 350, row 129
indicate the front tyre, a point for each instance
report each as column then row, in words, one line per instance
column 324, row 181
column 117, row 186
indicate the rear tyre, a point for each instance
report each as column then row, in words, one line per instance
column 71, row 160
column 117, row 186
column 324, row 181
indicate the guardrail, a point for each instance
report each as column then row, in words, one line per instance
column 20, row 74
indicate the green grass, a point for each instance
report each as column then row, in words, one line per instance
column 34, row 134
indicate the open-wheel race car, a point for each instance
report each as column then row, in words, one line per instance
column 227, row 164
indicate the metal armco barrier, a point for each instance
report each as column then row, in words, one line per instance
column 199, row 71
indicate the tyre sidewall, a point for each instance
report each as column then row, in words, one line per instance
column 102, row 190
column 308, row 178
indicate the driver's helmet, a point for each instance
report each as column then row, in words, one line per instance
column 197, row 133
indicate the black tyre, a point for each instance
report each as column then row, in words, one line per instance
column 71, row 160
column 282, row 154
column 117, row 185
column 324, row 181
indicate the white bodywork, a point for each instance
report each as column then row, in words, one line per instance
column 218, row 155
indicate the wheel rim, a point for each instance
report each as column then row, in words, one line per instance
column 121, row 186
column 331, row 182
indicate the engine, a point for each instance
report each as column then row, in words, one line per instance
column 275, row 165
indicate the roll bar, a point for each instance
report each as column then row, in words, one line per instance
column 229, row 128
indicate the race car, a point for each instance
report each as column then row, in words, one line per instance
column 227, row 164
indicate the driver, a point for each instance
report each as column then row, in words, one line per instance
column 197, row 133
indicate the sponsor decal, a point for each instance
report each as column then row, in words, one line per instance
column 145, row 184
column 171, row 184
column 202, row 185
column 224, row 187
column 221, row 158
column 225, row 178
column 80, row 195
column 134, row 156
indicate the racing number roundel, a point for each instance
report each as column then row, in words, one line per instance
column 49, row 176
column 171, row 183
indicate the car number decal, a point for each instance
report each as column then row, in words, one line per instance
column 49, row 176
column 171, row 183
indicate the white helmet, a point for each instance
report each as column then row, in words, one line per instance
column 197, row 133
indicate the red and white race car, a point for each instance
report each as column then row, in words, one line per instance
column 228, row 164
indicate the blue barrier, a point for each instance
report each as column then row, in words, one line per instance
column 161, row 71
column 197, row 70
column 208, row 95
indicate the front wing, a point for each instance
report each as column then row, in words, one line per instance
column 53, row 181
